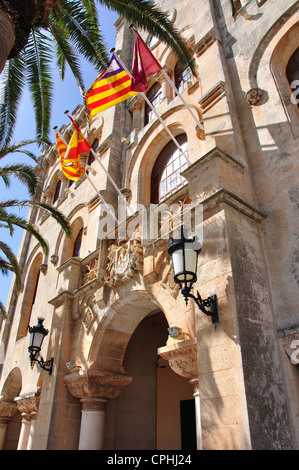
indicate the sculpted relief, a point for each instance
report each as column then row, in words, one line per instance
column 125, row 261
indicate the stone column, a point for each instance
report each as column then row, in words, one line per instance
column 182, row 358
column 7, row 410
column 136, row 106
column 166, row 88
column 28, row 407
column 25, row 431
column 94, row 389
column 92, row 423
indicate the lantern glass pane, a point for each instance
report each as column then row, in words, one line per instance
column 189, row 272
column 36, row 340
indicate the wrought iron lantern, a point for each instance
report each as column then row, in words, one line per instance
column 37, row 335
column 184, row 253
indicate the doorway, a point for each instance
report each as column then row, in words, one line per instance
column 146, row 416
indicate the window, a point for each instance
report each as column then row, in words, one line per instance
column 292, row 72
column 155, row 97
column 57, row 191
column 94, row 147
column 166, row 174
column 182, row 76
column 77, row 244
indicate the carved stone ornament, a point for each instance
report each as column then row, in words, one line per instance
column 7, row 409
column 182, row 357
column 90, row 271
column 28, row 404
column 125, row 261
column 89, row 315
column 253, row 96
column 96, row 384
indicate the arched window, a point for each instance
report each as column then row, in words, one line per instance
column 94, row 147
column 30, row 294
column 57, row 191
column 182, row 76
column 292, row 73
column 155, row 97
column 78, row 242
column 166, row 174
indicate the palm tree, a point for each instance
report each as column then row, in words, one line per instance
column 31, row 30
column 9, row 220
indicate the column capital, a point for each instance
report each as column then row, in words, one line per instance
column 96, row 384
column 7, row 409
column 182, row 357
column 28, row 404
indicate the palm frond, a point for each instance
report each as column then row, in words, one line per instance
column 18, row 147
column 84, row 32
column 13, row 79
column 38, row 56
column 11, row 265
column 149, row 17
column 24, row 173
column 56, row 214
column 65, row 53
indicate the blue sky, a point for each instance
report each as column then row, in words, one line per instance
column 66, row 96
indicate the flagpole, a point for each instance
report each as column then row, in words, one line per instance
column 107, row 173
column 94, row 187
column 202, row 135
column 153, row 109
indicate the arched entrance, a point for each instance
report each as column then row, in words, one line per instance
column 149, row 413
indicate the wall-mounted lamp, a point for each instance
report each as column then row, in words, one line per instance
column 184, row 253
column 37, row 334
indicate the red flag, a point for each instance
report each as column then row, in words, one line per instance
column 144, row 65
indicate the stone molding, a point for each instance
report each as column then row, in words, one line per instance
column 93, row 404
column 96, row 384
column 182, row 357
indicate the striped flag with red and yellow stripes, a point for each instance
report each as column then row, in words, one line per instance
column 111, row 87
column 70, row 156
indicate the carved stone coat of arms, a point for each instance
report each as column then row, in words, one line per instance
column 125, row 261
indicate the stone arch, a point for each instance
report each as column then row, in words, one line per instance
column 29, row 294
column 12, row 385
column 276, row 31
column 71, row 219
column 116, row 328
column 141, row 164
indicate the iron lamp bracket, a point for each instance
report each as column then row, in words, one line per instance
column 207, row 306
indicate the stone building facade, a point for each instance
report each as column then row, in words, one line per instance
column 118, row 380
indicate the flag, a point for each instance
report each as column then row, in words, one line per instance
column 111, row 87
column 144, row 65
column 69, row 158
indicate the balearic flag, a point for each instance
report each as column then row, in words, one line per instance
column 144, row 64
column 111, row 87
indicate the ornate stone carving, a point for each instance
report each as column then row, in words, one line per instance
column 125, row 261
column 253, row 96
column 89, row 314
column 96, row 384
column 7, row 409
column 182, row 357
column 28, row 404
column 90, row 271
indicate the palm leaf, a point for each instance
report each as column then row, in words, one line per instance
column 11, row 265
column 65, row 53
column 150, row 17
column 84, row 32
column 24, row 173
column 38, row 56
column 13, row 79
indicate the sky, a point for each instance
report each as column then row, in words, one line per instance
column 66, row 97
